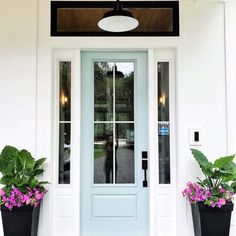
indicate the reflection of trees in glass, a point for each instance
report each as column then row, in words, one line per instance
column 107, row 81
column 99, row 151
column 125, row 97
column 103, row 91
column 103, row 99
column 101, row 130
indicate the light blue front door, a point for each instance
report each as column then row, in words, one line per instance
column 114, row 134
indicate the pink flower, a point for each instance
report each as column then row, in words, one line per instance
column 9, row 206
column 15, row 198
column 39, row 196
column 221, row 202
column 213, row 204
column 208, row 193
column 2, row 192
column 222, row 190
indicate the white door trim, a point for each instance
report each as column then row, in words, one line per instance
column 73, row 190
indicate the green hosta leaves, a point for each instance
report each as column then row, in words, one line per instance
column 44, row 182
column 8, row 153
column 220, row 174
column 19, row 182
column 227, row 187
column 215, row 191
column 233, row 185
column 33, row 183
column 8, row 160
column 27, row 162
column 203, row 162
column 39, row 163
column 19, row 168
column 5, row 180
column 38, row 172
column 9, row 181
column 224, row 162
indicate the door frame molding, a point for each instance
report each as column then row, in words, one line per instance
column 73, row 190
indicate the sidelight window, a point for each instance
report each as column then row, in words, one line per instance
column 64, row 121
column 163, row 123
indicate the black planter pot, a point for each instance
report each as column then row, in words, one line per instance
column 211, row 221
column 20, row 221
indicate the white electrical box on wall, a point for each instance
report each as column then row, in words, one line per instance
column 195, row 137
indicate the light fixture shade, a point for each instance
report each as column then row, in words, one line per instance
column 118, row 20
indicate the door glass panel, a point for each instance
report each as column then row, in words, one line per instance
column 103, row 153
column 124, row 87
column 113, row 122
column 125, row 153
column 103, row 91
column 163, row 123
column 64, row 153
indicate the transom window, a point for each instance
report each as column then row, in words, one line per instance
column 80, row 18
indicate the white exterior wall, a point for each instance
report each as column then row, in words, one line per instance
column 231, row 71
column 18, row 74
column 26, row 94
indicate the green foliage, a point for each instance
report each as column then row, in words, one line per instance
column 19, row 168
column 203, row 162
column 220, row 174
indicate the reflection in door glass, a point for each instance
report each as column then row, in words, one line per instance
column 64, row 98
column 114, row 122
column 103, row 91
column 163, row 123
column 125, row 153
column 124, row 88
column 164, row 159
column 103, row 153
column 65, row 90
column 64, row 153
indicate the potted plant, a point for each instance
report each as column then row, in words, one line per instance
column 21, row 193
column 211, row 197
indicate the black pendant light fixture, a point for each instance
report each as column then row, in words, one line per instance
column 118, row 20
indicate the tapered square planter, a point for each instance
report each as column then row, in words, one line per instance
column 211, row 221
column 20, row 221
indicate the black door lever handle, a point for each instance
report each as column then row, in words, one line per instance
column 145, row 167
column 144, row 164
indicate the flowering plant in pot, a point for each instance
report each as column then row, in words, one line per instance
column 22, row 191
column 211, row 198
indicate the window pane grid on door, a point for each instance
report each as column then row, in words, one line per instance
column 64, row 121
column 124, row 91
column 114, row 140
column 163, row 123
